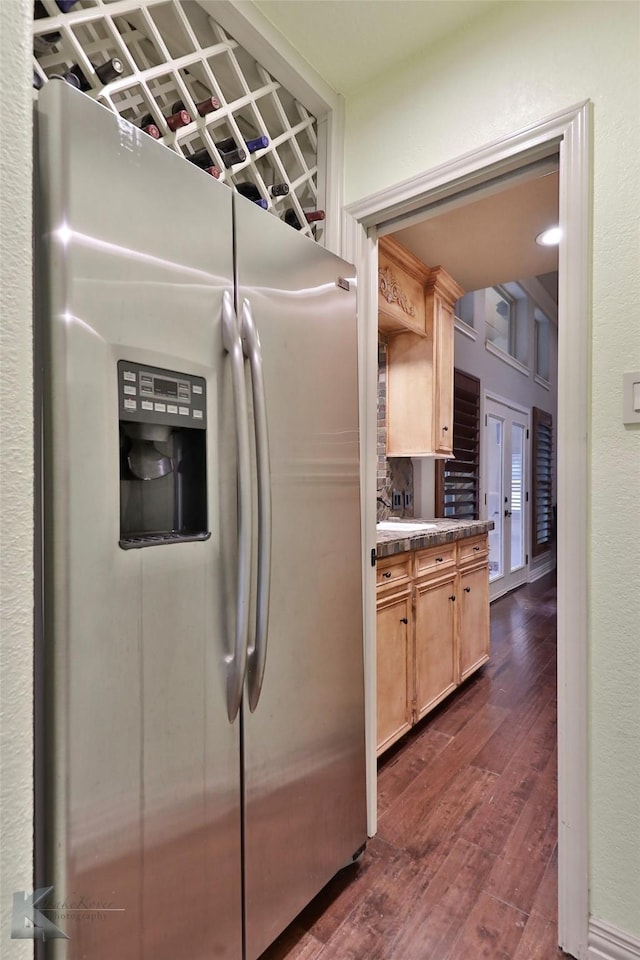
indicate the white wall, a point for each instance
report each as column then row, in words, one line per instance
column 510, row 383
column 16, row 469
column 520, row 64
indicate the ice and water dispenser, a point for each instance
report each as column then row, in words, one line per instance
column 163, row 476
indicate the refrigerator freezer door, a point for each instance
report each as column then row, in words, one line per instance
column 304, row 743
column 141, row 799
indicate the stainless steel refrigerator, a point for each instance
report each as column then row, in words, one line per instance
column 200, row 735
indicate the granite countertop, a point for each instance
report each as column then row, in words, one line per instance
column 389, row 543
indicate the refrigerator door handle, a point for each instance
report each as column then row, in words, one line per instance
column 257, row 653
column 236, row 660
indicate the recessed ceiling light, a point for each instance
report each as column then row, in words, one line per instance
column 549, row 238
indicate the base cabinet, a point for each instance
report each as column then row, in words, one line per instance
column 473, row 620
column 394, row 668
column 432, row 630
column 436, row 667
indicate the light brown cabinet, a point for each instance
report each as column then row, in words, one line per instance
column 436, row 666
column 401, row 284
column 432, row 629
column 420, row 377
column 394, row 627
column 473, row 613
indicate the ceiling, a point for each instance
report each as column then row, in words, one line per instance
column 492, row 240
column 351, row 42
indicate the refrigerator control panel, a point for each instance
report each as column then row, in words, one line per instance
column 152, row 395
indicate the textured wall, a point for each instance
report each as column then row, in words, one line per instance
column 16, row 469
column 523, row 62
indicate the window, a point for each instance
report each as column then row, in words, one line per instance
column 458, row 480
column 463, row 309
column 542, row 520
column 500, row 319
column 542, row 344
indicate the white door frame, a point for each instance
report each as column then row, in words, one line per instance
column 499, row 588
column 569, row 134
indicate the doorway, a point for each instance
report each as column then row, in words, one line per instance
column 506, row 467
column 568, row 135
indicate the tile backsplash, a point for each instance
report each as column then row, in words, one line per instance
column 394, row 475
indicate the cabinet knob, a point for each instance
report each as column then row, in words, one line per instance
column 387, row 574
column 445, row 428
column 404, row 620
column 452, row 597
column 439, row 559
column 467, row 589
column 476, row 549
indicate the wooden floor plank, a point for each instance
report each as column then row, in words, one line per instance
column 546, row 901
column 421, row 797
column 539, row 941
column 492, row 931
column 491, row 826
column 400, row 768
column 433, row 923
column 464, row 865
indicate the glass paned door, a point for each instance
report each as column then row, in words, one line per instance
column 516, row 509
column 495, row 470
column 505, row 445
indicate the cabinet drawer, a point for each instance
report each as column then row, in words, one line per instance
column 475, row 548
column 435, row 559
column 393, row 570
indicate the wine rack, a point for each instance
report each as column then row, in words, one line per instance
column 171, row 51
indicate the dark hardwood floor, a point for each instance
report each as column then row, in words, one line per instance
column 464, row 864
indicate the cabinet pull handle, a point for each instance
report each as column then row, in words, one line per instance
column 452, row 597
column 445, row 428
column 439, row 559
column 387, row 574
column 467, row 589
column 475, row 549
column 404, row 620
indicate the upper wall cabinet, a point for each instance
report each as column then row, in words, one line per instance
column 402, row 279
column 420, row 374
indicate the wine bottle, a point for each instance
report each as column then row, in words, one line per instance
column 251, row 192
column 74, row 80
column 311, row 216
column 65, row 5
column 230, row 152
column 258, row 143
column 202, row 159
column 203, row 108
column 110, row 70
column 105, row 72
column 179, row 119
column 42, row 42
column 279, row 189
column 151, row 129
column 291, row 218
column 176, row 120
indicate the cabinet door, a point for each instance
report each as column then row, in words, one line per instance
column 394, row 667
column 436, row 656
column 443, row 381
column 401, row 280
column 473, row 619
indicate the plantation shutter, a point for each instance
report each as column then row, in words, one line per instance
column 458, row 480
column 542, row 466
